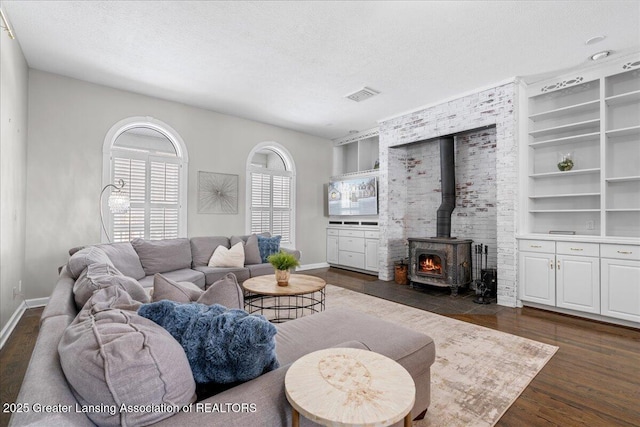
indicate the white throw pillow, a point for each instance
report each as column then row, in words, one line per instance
column 223, row 257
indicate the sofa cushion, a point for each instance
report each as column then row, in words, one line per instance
column 251, row 250
column 268, row 246
column 99, row 276
column 202, row 248
column 223, row 257
column 213, row 274
column 160, row 256
column 85, row 257
column 225, row 291
column 165, row 288
column 113, row 356
column 336, row 325
column 222, row 346
column 124, row 258
column 260, row 269
column 184, row 275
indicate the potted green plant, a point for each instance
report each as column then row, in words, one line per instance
column 283, row 262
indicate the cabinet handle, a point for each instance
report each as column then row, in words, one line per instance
column 551, row 265
column 558, row 265
column 576, row 249
column 625, row 252
column 535, row 246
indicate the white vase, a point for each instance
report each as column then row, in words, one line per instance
column 282, row 277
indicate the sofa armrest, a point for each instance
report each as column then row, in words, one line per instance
column 294, row 252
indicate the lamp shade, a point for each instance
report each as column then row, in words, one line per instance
column 118, row 202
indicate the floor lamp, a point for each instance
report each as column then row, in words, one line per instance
column 118, row 202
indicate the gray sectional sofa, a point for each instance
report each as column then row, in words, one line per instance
column 182, row 260
column 52, row 401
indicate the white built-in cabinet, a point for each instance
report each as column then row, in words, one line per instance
column 332, row 246
column 580, row 228
column 354, row 248
column 620, row 282
column 551, row 274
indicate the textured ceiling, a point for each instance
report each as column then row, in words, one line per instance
column 291, row 64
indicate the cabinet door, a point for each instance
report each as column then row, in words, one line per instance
column 620, row 289
column 332, row 249
column 371, row 254
column 537, row 277
column 578, row 283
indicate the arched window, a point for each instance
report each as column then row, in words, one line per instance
column 151, row 158
column 271, row 183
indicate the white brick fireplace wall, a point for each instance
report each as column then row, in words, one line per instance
column 486, row 179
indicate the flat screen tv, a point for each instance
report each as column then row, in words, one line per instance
column 353, row 196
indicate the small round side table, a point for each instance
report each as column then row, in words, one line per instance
column 349, row 387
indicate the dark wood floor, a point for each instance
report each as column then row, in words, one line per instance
column 593, row 380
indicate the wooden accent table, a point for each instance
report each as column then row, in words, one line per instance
column 349, row 387
column 304, row 295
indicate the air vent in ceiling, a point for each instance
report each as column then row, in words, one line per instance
column 362, row 94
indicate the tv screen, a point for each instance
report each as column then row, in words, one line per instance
column 353, row 196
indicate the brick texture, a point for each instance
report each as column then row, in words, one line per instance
column 484, row 125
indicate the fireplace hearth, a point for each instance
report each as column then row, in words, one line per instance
column 440, row 262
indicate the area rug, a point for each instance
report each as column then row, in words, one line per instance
column 478, row 372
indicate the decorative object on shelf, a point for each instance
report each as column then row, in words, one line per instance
column 376, row 165
column 217, row 193
column 282, row 263
column 566, row 162
column 118, row 202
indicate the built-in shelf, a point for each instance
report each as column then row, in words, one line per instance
column 632, row 130
column 594, row 118
column 566, row 173
column 570, row 110
column 566, row 140
column 623, row 98
column 356, row 154
column 587, row 124
column 624, row 179
column 551, row 196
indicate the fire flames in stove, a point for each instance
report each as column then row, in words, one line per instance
column 430, row 264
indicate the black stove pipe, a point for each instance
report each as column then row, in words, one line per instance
column 447, row 185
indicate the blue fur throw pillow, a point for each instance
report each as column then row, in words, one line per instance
column 222, row 346
column 268, row 246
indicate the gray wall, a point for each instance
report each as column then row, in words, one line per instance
column 68, row 121
column 13, row 167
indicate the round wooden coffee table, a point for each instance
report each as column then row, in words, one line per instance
column 304, row 295
column 349, row 387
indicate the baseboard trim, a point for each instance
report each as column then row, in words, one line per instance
column 17, row 315
column 312, row 266
column 12, row 323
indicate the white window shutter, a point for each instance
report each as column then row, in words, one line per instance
column 271, row 208
column 153, row 186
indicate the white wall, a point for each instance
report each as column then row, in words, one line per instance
column 13, row 167
column 68, row 120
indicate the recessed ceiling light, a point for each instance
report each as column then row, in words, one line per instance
column 600, row 55
column 594, row 40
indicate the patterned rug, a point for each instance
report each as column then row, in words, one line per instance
column 478, row 372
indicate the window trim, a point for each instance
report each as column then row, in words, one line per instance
column 181, row 151
column 290, row 167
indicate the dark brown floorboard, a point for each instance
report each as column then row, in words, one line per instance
column 593, row 380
